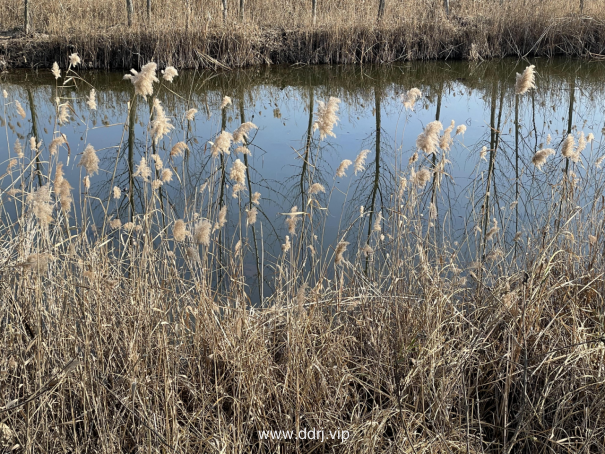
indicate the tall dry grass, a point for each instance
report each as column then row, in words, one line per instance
column 139, row 335
column 202, row 34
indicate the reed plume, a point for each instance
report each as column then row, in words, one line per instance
column 166, row 175
column 142, row 169
column 360, row 161
column 19, row 108
column 420, row 178
column 225, row 103
column 251, row 216
column 91, row 100
column 292, row 219
column 169, row 73
column 157, row 161
column 326, row 117
column 241, row 133
column 242, row 150
column 286, row 246
column 56, row 143
column 222, row 144
column 428, row 140
column 179, row 231
column 160, row 126
column 568, row 148
column 445, row 142
column 90, row 160
column 525, row 81
column 344, row 165
column 40, row 203
column 540, row 157
column 222, row 218
column 74, row 60
column 238, row 174
column 460, row 130
column 117, row 192
column 178, row 149
column 190, row 114
column 115, row 224
column 410, row 98
column 55, row 70
column 316, row 188
column 63, row 116
column 63, row 189
column 493, row 230
column 18, row 149
column 340, row 250
column 581, row 143
column 202, row 231
column 255, row 198
column 143, row 81
column 5, row 94
column 483, row 154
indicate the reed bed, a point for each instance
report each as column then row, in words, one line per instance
column 204, row 35
column 135, row 332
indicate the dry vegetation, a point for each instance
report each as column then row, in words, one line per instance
column 138, row 335
column 197, row 34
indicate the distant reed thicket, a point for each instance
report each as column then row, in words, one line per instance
column 132, row 330
column 238, row 33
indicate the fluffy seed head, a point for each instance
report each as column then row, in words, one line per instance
column 115, row 224
column 190, row 114
column 225, row 103
column 91, row 100
column 410, row 98
column 460, row 130
column 63, row 116
column 74, row 60
column 326, row 118
column 340, row 250
column 568, row 148
column 178, row 149
column 421, row 178
column 360, row 161
column 18, row 148
column 292, row 220
column 160, row 126
column 241, row 133
column 55, row 143
column 316, row 188
column 428, row 140
column 540, row 157
column 222, row 144
column 117, row 192
column 158, row 162
column 179, row 231
column 41, row 204
column 55, row 70
column 342, row 168
column 251, row 216
column 89, row 160
column 169, row 73
column 255, row 198
column 222, row 218
column 445, row 142
column 143, row 81
column 238, row 172
column 19, row 108
column 142, row 170
column 526, row 80
column 201, row 233
column 166, row 175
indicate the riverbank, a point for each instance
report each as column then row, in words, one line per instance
column 454, row 37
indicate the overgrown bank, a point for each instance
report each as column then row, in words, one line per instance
column 472, row 38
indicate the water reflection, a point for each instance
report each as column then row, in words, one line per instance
column 470, row 190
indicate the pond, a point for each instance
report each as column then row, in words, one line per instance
column 483, row 177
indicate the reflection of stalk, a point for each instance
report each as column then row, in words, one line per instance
column 243, row 120
column 221, row 201
column 516, row 168
column 377, row 94
column 435, row 176
column 32, row 109
column 494, row 142
column 307, row 149
column 131, row 123
column 572, row 90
